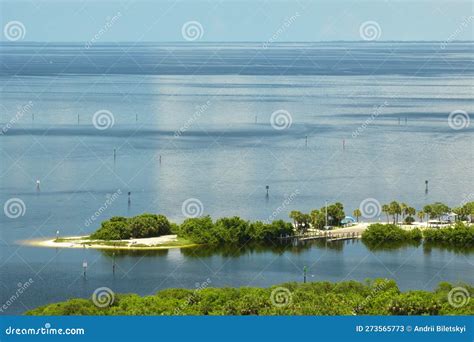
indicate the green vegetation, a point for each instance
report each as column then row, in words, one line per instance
column 397, row 210
column 379, row 233
column 436, row 210
column 461, row 235
column 465, row 212
column 141, row 226
column 377, row 297
column 317, row 217
column 236, row 231
column 232, row 230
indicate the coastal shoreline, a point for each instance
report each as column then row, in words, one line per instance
column 154, row 243
column 159, row 243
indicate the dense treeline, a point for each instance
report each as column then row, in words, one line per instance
column 385, row 233
column 232, row 230
column 202, row 230
column 460, row 235
column 378, row 297
column 141, row 226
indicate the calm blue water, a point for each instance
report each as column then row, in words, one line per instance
column 222, row 97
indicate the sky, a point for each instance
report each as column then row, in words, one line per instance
column 225, row 20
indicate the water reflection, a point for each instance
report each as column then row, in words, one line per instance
column 292, row 247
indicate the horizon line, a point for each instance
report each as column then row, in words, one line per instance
column 231, row 42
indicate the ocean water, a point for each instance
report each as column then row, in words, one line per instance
column 360, row 121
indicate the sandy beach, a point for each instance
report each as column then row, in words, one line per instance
column 162, row 242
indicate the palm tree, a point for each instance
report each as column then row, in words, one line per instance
column 386, row 210
column 395, row 210
column 403, row 209
column 421, row 215
column 357, row 214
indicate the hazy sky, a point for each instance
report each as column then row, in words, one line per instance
column 162, row 20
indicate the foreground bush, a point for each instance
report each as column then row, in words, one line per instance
column 379, row 297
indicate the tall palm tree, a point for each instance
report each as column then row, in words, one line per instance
column 421, row 215
column 386, row 210
column 395, row 210
column 403, row 209
column 357, row 213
